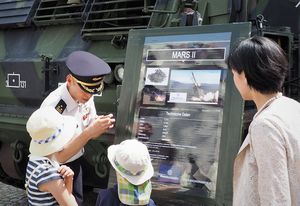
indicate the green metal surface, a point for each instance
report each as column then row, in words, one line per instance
column 16, row 13
column 53, row 39
column 49, row 30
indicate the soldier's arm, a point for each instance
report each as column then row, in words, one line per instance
column 96, row 128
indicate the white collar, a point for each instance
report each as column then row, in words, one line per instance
column 66, row 96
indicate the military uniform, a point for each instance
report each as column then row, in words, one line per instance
column 62, row 101
column 88, row 71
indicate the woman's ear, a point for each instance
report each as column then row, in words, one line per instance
column 243, row 76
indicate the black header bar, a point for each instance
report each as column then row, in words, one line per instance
column 189, row 54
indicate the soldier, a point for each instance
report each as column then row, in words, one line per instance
column 75, row 98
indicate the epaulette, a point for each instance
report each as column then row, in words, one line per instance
column 61, row 106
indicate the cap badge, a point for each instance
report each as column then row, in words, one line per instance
column 97, row 78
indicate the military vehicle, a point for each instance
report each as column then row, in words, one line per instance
column 36, row 36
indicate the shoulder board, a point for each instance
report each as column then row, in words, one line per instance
column 61, row 106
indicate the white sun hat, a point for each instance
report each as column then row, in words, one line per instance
column 131, row 160
column 49, row 131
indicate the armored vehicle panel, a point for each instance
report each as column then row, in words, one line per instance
column 36, row 36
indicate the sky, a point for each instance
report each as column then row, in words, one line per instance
column 202, row 76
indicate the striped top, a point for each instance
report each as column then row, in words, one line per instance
column 42, row 170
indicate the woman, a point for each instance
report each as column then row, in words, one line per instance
column 267, row 166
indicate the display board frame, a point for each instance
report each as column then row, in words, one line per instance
column 140, row 50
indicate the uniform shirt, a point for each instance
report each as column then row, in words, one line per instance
column 267, row 167
column 40, row 170
column 84, row 113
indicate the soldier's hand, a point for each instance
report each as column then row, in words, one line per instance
column 111, row 122
column 100, row 125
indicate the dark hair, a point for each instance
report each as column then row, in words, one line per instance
column 263, row 62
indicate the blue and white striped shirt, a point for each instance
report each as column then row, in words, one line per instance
column 44, row 170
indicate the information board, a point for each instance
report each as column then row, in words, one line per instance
column 181, row 95
column 177, row 98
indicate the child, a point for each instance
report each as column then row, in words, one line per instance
column 47, row 183
column 132, row 163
